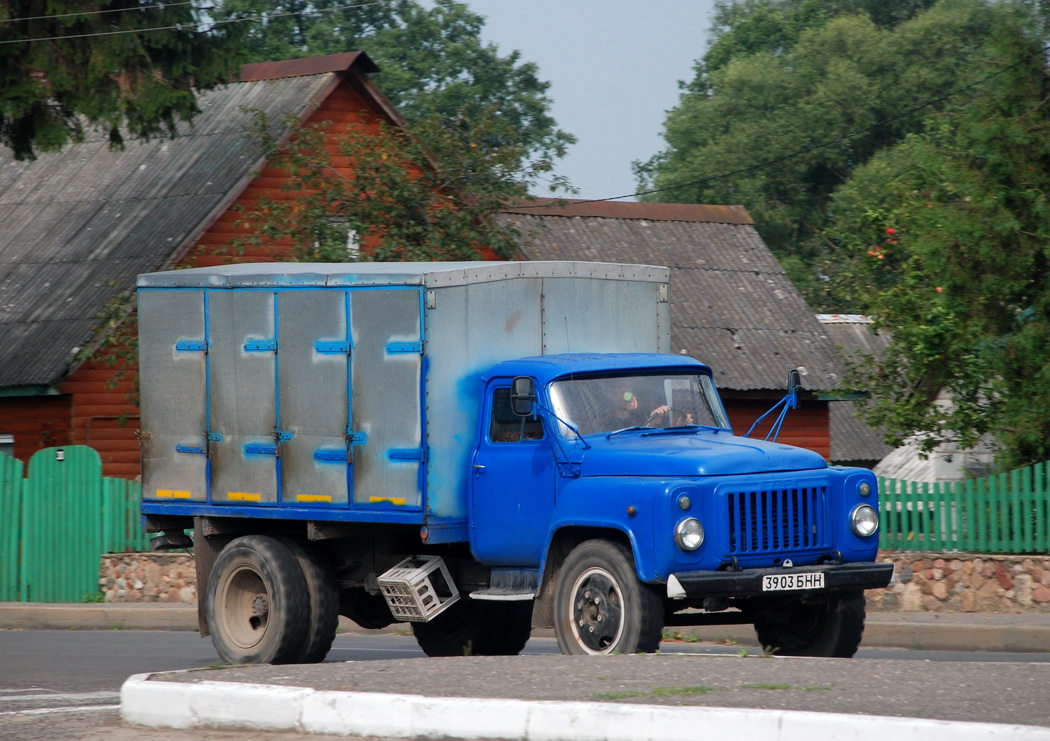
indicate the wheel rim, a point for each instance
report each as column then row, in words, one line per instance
column 246, row 607
column 597, row 611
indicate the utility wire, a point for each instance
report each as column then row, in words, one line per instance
column 159, row 6
column 181, row 26
column 814, row 147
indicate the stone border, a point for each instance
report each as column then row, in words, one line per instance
column 924, row 582
column 957, row 582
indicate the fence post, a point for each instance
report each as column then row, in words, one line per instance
column 11, row 488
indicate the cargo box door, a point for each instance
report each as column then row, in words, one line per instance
column 173, row 399
column 386, row 367
column 313, row 365
column 243, row 360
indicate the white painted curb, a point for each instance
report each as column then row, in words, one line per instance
column 259, row 707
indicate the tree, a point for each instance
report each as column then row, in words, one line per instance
column 429, row 193
column 816, row 89
column 125, row 66
column 433, row 63
column 910, row 181
column 944, row 240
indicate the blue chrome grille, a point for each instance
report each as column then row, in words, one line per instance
column 777, row 520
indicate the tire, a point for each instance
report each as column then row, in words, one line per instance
column 832, row 627
column 601, row 607
column 477, row 628
column 257, row 602
column 370, row 611
column 323, row 593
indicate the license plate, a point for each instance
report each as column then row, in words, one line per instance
column 787, row 582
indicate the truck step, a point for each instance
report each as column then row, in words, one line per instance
column 502, row 595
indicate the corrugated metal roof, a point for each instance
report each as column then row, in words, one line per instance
column 629, row 210
column 732, row 305
column 78, row 226
column 853, row 439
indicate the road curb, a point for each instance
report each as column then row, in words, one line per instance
column 148, row 701
column 882, row 630
column 137, row 616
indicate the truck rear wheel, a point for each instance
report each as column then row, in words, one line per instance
column 323, row 592
column 477, row 628
column 257, row 602
column 600, row 605
column 832, row 627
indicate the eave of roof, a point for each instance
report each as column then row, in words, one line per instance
column 631, row 210
column 307, row 66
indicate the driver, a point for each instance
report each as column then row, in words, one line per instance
column 625, row 411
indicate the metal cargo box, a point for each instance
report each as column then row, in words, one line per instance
column 350, row 391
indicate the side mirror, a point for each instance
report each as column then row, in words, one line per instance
column 794, row 386
column 522, row 396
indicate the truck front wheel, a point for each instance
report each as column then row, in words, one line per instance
column 600, row 605
column 831, row 627
column 258, row 602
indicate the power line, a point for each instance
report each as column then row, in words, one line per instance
column 814, row 147
column 181, row 26
column 160, row 6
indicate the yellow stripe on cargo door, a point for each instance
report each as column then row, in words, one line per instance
column 398, row 501
column 244, row 496
column 173, row 494
column 327, row 498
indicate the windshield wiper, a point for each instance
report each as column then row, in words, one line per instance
column 628, row 429
column 684, row 428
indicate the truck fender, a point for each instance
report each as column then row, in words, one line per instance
column 561, row 544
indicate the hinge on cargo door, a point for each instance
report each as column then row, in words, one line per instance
column 260, row 345
column 333, row 347
column 404, row 347
column 192, row 346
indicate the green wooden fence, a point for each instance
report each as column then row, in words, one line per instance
column 1005, row 513
column 56, row 523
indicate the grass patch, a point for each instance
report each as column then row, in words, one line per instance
column 655, row 692
column 814, row 688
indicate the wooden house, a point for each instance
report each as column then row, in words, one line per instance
column 81, row 224
column 732, row 305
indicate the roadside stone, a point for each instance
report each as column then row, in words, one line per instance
column 1003, row 577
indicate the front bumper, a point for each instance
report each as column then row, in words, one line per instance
column 748, row 582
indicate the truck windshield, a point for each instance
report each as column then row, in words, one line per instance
column 603, row 404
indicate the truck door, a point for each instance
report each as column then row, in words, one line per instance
column 512, row 485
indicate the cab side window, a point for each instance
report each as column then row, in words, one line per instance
column 506, row 427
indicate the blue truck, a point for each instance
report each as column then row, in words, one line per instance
column 476, row 449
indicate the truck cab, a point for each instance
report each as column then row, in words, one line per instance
column 634, row 452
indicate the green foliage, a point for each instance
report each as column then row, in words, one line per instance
column 791, row 88
column 103, row 65
column 911, row 152
column 433, row 63
column 431, row 193
column 943, row 238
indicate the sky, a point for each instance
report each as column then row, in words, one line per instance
column 614, row 67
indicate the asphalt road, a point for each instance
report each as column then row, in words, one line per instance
column 64, row 684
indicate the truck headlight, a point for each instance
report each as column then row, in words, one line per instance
column 864, row 520
column 689, row 534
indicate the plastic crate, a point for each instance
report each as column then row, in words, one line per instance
column 418, row 588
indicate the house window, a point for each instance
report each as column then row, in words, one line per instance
column 7, row 444
column 336, row 241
